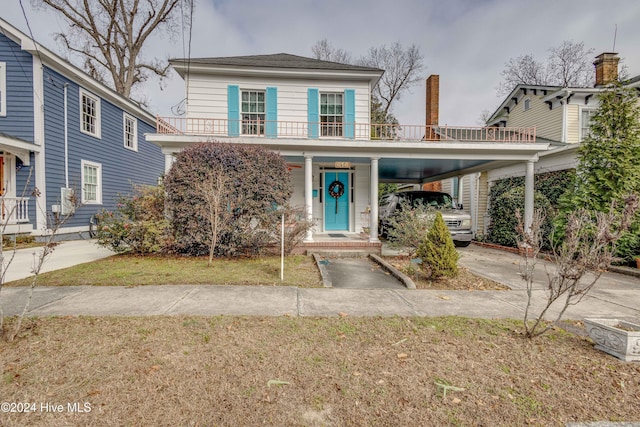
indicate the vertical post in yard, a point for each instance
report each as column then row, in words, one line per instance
column 282, row 250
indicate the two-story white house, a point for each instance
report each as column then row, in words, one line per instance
column 316, row 114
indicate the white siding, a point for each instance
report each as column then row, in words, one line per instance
column 548, row 123
column 207, row 95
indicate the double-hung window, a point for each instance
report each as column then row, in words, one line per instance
column 253, row 112
column 3, row 89
column 130, row 128
column 585, row 122
column 331, row 114
column 89, row 114
column 91, row 183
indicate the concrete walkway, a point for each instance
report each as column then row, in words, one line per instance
column 614, row 296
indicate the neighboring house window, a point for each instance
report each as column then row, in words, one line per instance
column 3, row 89
column 585, row 123
column 527, row 104
column 331, row 114
column 91, row 183
column 253, row 112
column 130, row 126
column 89, row 114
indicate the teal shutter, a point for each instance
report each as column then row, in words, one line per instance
column 349, row 113
column 312, row 109
column 233, row 109
column 271, row 127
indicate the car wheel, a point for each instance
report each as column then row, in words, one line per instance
column 461, row 244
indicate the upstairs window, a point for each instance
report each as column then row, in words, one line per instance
column 130, row 127
column 527, row 104
column 585, row 123
column 253, row 112
column 89, row 114
column 331, row 114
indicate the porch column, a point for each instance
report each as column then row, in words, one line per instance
column 528, row 194
column 308, row 193
column 373, row 218
column 168, row 162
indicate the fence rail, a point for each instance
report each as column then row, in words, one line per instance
column 15, row 210
column 357, row 131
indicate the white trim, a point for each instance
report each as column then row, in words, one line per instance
column 98, row 116
column 39, row 142
column 125, row 117
column 3, row 89
column 98, row 166
column 591, row 110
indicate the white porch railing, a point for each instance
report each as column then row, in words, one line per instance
column 15, row 210
column 357, row 131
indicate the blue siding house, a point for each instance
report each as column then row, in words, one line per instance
column 64, row 136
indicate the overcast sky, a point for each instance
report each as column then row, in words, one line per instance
column 466, row 42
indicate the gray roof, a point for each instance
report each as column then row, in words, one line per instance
column 278, row 60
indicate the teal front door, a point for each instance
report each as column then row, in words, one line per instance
column 336, row 201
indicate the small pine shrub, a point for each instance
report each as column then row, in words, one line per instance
column 437, row 251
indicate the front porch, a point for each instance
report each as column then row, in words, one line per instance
column 336, row 176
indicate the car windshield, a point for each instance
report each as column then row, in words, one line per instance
column 435, row 200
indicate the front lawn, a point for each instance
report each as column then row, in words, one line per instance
column 129, row 270
column 284, row 371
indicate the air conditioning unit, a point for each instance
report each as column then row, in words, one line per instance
column 67, row 201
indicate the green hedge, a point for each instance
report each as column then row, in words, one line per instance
column 507, row 195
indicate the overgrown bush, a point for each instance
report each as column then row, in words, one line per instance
column 409, row 225
column 255, row 182
column 437, row 251
column 502, row 229
column 138, row 225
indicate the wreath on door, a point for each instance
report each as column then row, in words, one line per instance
column 336, row 189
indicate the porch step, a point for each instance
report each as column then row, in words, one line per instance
column 342, row 253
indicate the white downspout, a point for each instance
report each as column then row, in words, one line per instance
column 565, row 113
column 66, row 139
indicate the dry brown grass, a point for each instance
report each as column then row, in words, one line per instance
column 230, row 371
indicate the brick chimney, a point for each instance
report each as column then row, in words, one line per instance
column 606, row 68
column 433, row 100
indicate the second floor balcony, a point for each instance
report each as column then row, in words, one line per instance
column 347, row 131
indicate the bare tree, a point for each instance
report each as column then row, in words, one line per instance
column 568, row 65
column 571, row 65
column 586, row 251
column 110, row 35
column 325, row 51
column 213, row 189
column 402, row 69
column 40, row 255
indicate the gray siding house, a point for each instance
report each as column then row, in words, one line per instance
column 63, row 133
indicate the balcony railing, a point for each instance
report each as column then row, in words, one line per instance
column 357, row 131
column 15, row 210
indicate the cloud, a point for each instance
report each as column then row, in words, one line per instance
column 466, row 42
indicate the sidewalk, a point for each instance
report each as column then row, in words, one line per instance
column 615, row 295
column 64, row 255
